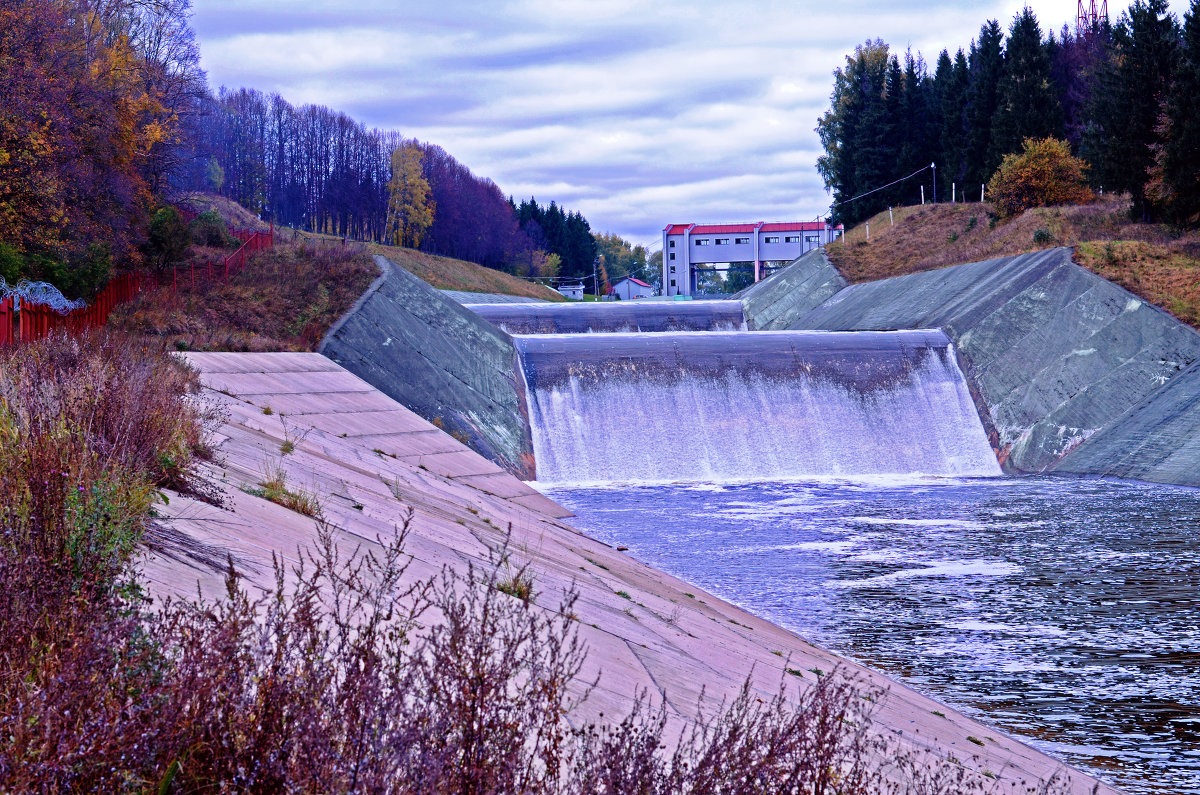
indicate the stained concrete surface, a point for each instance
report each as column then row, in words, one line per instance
column 369, row 459
column 1059, row 357
column 426, row 351
column 784, row 297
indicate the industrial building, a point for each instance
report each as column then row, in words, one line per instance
column 690, row 250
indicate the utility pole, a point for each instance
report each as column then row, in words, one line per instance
column 934, row 167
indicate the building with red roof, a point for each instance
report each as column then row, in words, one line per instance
column 697, row 256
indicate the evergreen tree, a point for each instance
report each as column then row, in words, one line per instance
column 919, row 143
column 890, row 136
column 952, row 80
column 1176, row 173
column 852, row 163
column 1125, row 113
column 986, row 68
column 1028, row 105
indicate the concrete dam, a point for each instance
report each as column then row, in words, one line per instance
column 625, row 316
column 727, row 406
column 832, row 457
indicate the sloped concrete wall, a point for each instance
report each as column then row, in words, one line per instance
column 440, row 360
column 1157, row 440
column 1057, row 354
column 780, row 300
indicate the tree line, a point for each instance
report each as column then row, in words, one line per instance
column 1122, row 95
column 106, row 117
column 94, row 95
column 318, row 169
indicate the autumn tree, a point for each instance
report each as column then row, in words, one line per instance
column 410, row 210
column 1044, row 173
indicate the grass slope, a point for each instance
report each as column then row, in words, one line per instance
column 284, row 300
column 1153, row 261
column 446, row 273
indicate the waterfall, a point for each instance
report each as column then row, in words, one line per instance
column 720, row 406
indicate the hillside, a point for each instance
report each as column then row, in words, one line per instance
column 1151, row 260
column 446, row 273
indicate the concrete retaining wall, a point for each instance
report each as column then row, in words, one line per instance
column 440, row 360
column 779, row 301
column 1069, row 366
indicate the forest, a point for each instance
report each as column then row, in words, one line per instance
column 106, row 116
column 1123, row 95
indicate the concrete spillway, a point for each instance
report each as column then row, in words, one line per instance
column 616, row 316
column 723, row 406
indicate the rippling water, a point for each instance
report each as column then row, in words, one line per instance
column 1066, row 612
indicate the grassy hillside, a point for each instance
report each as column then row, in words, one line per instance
column 284, row 300
column 445, row 273
column 1158, row 263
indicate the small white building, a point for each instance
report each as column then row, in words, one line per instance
column 747, row 248
column 630, row 288
column 572, row 291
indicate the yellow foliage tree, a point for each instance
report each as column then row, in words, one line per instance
column 410, row 209
column 1044, row 173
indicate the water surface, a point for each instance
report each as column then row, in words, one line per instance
column 1066, row 612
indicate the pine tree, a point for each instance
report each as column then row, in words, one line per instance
column 1028, row 105
column 986, row 68
column 1176, row 173
column 922, row 127
column 851, row 163
column 952, row 82
column 1125, row 112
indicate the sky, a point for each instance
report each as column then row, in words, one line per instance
column 637, row 114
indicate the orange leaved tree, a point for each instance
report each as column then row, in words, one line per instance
column 1044, row 173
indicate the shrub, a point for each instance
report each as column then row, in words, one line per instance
column 168, row 237
column 1044, row 173
column 209, row 229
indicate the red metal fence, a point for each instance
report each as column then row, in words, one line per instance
column 23, row 321
column 7, row 316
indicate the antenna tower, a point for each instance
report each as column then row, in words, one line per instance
column 1091, row 15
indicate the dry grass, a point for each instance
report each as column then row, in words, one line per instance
column 235, row 215
column 284, row 300
column 445, row 273
column 1164, row 275
column 1151, row 260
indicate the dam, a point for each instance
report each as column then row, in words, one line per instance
column 1060, row 608
column 720, row 406
column 845, row 484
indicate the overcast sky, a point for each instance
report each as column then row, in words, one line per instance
column 638, row 114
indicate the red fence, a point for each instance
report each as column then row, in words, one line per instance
column 23, row 321
column 34, row 321
column 7, row 316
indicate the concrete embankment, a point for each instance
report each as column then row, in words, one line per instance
column 1071, row 371
column 426, row 351
column 368, row 458
column 789, row 295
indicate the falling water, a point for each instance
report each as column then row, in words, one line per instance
column 727, row 406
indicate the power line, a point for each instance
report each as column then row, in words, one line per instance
column 885, row 187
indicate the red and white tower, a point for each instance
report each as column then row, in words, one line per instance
column 1091, row 14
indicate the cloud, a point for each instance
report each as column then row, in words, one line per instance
column 635, row 114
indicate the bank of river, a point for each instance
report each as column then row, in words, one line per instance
column 1062, row 611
